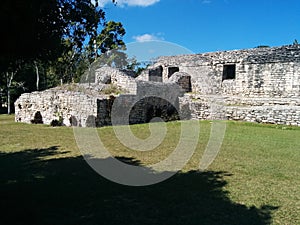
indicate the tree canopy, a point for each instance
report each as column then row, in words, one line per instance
column 35, row 28
column 46, row 42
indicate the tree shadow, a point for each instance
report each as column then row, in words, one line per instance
column 67, row 191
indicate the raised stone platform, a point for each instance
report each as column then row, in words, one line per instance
column 261, row 110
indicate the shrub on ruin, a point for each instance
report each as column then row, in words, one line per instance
column 57, row 123
column 112, row 89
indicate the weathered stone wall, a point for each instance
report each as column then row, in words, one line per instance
column 270, row 79
column 84, row 109
column 181, row 79
column 71, row 106
column 262, row 110
column 262, row 85
column 259, row 72
column 263, row 114
column 152, row 73
column 169, row 91
column 153, row 99
column 144, row 76
column 122, row 78
column 264, row 80
column 134, row 110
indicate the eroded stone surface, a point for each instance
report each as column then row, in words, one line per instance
column 257, row 85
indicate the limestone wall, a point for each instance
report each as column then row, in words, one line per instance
column 262, row 85
column 264, row 80
column 71, row 106
column 265, row 72
column 122, row 78
column 261, row 110
column 181, row 79
column 153, row 99
column 92, row 109
column 270, row 79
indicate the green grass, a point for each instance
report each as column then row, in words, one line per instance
column 254, row 179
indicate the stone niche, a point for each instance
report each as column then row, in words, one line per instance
column 156, row 74
column 183, row 80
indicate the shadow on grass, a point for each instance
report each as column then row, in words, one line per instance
column 67, row 191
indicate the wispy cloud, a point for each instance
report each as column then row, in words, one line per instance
column 147, row 37
column 206, row 1
column 122, row 3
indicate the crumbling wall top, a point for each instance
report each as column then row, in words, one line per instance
column 288, row 53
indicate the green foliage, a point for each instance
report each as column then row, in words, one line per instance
column 70, row 65
column 110, row 38
column 57, row 122
column 137, row 67
column 113, row 58
column 49, row 42
column 295, row 42
column 112, row 89
column 43, row 24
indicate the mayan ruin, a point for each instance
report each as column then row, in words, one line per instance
column 255, row 85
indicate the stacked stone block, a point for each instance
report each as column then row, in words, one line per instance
column 66, row 106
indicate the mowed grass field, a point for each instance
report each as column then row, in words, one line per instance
column 255, row 178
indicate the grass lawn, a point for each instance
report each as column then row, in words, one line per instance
column 255, row 179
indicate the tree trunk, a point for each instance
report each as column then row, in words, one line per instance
column 8, row 86
column 37, row 76
column 0, row 99
column 8, row 101
column 45, row 78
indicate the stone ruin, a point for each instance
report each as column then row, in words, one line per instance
column 91, row 104
column 256, row 85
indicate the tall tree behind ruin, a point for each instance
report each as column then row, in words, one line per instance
column 36, row 30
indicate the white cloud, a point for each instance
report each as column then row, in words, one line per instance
column 147, row 37
column 122, row 3
column 102, row 3
column 206, row 2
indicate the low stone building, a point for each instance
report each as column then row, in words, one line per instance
column 90, row 105
column 256, row 85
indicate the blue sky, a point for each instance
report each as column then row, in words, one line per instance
column 208, row 25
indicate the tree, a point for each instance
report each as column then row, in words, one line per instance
column 74, row 61
column 110, row 38
column 35, row 28
column 10, row 74
column 36, row 32
column 295, row 42
column 70, row 65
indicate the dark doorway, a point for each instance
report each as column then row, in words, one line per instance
column 38, row 118
column 229, row 72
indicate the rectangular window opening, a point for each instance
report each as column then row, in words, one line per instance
column 229, row 72
column 172, row 70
